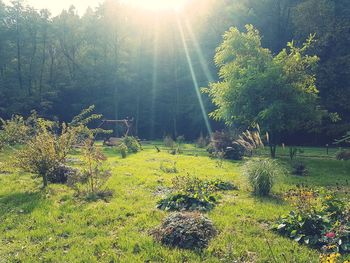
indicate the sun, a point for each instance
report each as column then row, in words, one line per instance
column 157, row 5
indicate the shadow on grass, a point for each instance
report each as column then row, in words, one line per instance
column 23, row 203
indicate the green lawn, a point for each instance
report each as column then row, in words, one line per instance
column 54, row 226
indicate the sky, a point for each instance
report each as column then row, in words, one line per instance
column 56, row 6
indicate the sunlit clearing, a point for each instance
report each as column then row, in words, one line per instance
column 157, row 5
column 194, row 78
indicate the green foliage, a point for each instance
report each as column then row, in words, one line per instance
column 221, row 185
column 343, row 155
column 17, row 130
column 92, row 182
column 261, row 174
column 185, row 230
column 189, row 193
column 325, row 226
column 255, row 87
column 123, row 149
column 223, row 145
column 46, row 151
column 132, row 144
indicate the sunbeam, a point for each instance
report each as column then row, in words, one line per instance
column 199, row 52
column 154, row 75
column 194, row 78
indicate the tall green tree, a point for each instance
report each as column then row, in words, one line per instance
column 278, row 92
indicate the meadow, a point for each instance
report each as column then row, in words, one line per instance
column 53, row 225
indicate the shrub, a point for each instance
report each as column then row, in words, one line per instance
column 168, row 142
column 17, row 130
column 185, row 230
column 223, row 142
column 132, row 144
column 326, row 226
column 45, row 152
column 300, row 169
column 123, row 149
column 189, row 193
column 261, row 173
column 343, row 155
column 220, row 185
column 182, row 202
column 61, row 173
column 94, row 175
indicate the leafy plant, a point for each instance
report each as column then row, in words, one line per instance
column 17, row 130
column 185, row 230
column 220, row 185
column 261, row 174
column 93, row 179
column 132, row 144
column 223, row 142
column 46, row 151
column 123, row 149
column 326, row 226
column 189, row 193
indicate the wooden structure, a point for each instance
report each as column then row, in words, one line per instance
column 126, row 124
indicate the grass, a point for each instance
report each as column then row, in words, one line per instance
column 54, row 226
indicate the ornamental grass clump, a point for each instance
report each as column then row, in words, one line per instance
column 261, row 174
column 185, row 230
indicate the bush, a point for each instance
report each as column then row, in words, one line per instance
column 17, row 130
column 220, row 185
column 343, row 155
column 132, row 144
column 223, row 142
column 123, row 149
column 61, row 173
column 45, row 152
column 185, row 230
column 300, row 169
column 326, row 226
column 189, row 193
column 182, row 202
column 261, row 173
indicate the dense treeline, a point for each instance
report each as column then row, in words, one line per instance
column 149, row 66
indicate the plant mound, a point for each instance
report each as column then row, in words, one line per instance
column 182, row 202
column 61, row 173
column 185, row 230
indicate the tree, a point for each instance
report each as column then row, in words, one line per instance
column 278, row 92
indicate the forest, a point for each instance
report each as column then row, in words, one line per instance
column 152, row 68
column 175, row 131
